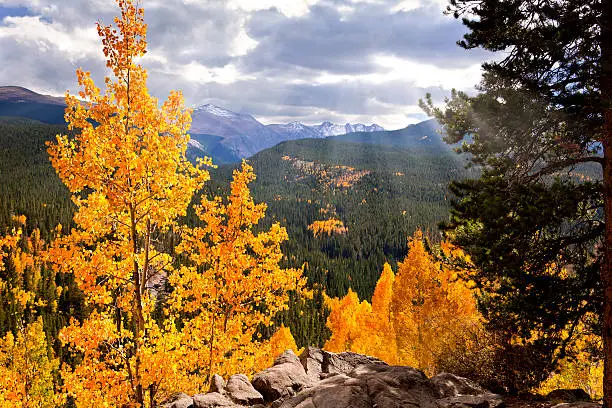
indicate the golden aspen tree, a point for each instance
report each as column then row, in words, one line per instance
column 327, row 227
column 26, row 361
column 414, row 315
column 582, row 370
column 26, row 371
column 347, row 321
column 363, row 328
column 125, row 166
column 429, row 304
column 233, row 283
column 381, row 336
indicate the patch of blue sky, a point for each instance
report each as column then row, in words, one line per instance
column 13, row 12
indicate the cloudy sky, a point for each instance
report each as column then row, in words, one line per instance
column 279, row 60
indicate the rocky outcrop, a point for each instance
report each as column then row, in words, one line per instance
column 471, row 401
column 369, row 386
column 319, row 363
column 460, row 392
column 569, row 395
column 237, row 392
column 240, row 390
column 450, row 385
column 179, row 400
column 578, row 405
column 212, row 400
column 284, row 379
column 319, row 379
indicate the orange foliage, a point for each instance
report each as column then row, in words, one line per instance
column 26, row 366
column 381, row 323
column 130, row 180
column 233, row 285
column 347, row 320
column 26, row 371
column 280, row 341
column 429, row 304
column 338, row 176
column 330, row 226
column 414, row 314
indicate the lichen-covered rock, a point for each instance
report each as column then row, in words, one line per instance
column 312, row 361
column 319, row 364
column 346, row 362
column 240, row 390
column 285, row 378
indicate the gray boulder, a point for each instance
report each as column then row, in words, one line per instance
column 569, row 395
column 212, row 400
column 450, row 385
column 178, row 400
column 472, row 401
column 217, row 384
column 285, row 378
column 367, row 386
column 240, row 390
column 346, row 362
column 320, row 364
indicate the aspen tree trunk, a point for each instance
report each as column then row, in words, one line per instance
column 138, row 323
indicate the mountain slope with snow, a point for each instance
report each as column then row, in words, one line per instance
column 225, row 135
column 244, row 136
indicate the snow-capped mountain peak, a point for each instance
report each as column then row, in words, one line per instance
column 215, row 110
column 244, row 135
column 331, row 129
column 293, row 126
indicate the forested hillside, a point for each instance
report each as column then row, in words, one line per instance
column 380, row 195
column 30, row 186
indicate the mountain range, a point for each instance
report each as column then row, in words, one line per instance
column 229, row 136
column 225, row 135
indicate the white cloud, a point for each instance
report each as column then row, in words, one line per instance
column 393, row 69
column 311, row 60
column 242, row 44
column 399, row 118
column 75, row 42
column 290, row 8
column 427, row 75
column 409, row 5
column 197, row 73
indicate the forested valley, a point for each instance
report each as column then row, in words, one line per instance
column 132, row 269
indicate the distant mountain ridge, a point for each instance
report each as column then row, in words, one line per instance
column 425, row 136
column 17, row 101
column 225, row 135
column 245, row 136
column 18, row 94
